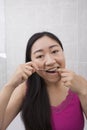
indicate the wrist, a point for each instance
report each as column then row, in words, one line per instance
column 83, row 88
column 11, row 85
column 83, row 91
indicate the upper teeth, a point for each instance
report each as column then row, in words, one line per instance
column 52, row 69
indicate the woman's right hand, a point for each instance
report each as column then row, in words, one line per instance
column 22, row 73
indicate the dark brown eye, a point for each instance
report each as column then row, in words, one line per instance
column 55, row 51
column 40, row 56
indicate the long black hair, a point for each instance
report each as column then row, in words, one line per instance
column 36, row 113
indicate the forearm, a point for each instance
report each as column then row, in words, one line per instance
column 21, row 74
column 83, row 100
column 5, row 95
column 83, row 97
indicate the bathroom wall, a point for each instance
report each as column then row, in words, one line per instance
column 19, row 19
column 3, row 70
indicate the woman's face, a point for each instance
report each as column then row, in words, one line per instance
column 48, row 56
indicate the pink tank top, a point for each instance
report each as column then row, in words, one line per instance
column 68, row 115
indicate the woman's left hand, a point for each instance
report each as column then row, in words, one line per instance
column 75, row 82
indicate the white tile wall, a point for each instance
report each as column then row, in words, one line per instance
column 2, row 27
column 3, row 67
column 66, row 18
column 3, row 71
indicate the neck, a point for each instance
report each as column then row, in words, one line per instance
column 56, row 85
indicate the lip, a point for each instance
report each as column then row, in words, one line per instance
column 50, row 69
column 51, row 72
column 53, row 69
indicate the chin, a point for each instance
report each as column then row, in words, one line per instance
column 52, row 80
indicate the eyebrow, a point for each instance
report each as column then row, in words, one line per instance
column 40, row 50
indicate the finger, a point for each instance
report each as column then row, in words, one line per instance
column 65, row 82
column 64, row 74
column 24, row 77
column 29, row 68
column 63, row 70
column 33, row 64
column 28, row 72
column 64, row 79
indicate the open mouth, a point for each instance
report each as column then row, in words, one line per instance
column 52, row 70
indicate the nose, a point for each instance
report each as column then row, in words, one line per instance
column 49, row 60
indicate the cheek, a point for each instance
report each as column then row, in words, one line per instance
column 64, row 64
column 38, row 63
column 61, row 60
column 41, row 74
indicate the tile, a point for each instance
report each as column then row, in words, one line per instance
column 3, row 71
column 73, row 66
column 82, row 68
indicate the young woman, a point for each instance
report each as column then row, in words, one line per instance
column 49, row 96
